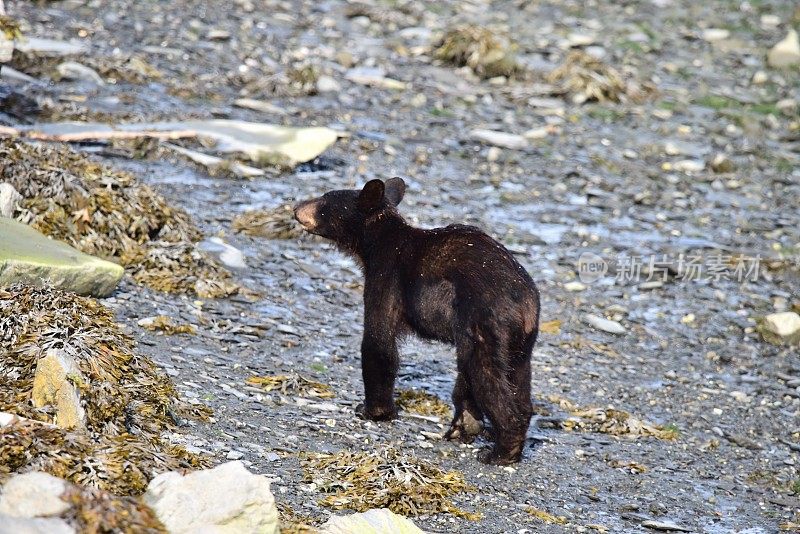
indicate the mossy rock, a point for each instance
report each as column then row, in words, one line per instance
column 28, row 257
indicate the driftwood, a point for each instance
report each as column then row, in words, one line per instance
column 6, row 131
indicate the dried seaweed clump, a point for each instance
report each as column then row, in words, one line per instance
column 10, row 28
column 106, row 213
column 128, row 403
column 293, row 523
column 422, row 403
column 292, row 384
column 133, row 69
column 587, row 78
column 384, row 479
column 162, row 323
column 611, row 421
column 277, row 223
column 99, row 511
column 479, row 49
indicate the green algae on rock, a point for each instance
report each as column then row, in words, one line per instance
column 107, row 213
column 26, row 256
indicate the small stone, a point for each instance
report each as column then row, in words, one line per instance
column 783, row 327
column 493, row 154
column 760, row 77
column 785, row 53
column 721, row 164
column 580, row 39
column 786, row 105
column 575, row 286
column 373, row 77
column 326, row 84
column 688, row 318
column 500, row 139
column 8, row 199
column 71, row 70
column 218, row 35
column 536, row 133
column 715, row 34
column 33, row 494
column 740, row 396
column 227, row 498
column 53, row 386
column 689, row 165
column 769, row 22
column 376, row 521
column 606, row 325
column 234, row 455
column 665, row 526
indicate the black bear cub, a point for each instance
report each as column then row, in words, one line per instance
column 453, row 284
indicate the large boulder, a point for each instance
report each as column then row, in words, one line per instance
column 33, row 494
column 377, row 521
column 26, row 256
column 53, row 385
column 226, row 499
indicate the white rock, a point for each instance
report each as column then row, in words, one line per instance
column 689, row 165
column 536, row 133
column 786, row 53
column 785, row 325
column 37, row 525
column 326, row 84
column 500, row 139
column 6, row 49
column 760, row 77
column 70, row 70
column 258, row 105
column 229, row 255
column 8, row 199
column 606, row 325
column 770, row 21
column 377, row 521
column 493, row 154
column 226, row 499
column 33, row 494
column 580, row 39
column 373, row 77
column 575, row 286
column 715, row 34
column 234, row 455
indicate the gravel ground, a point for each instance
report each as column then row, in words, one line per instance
column 700, row 159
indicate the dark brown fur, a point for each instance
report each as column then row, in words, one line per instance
column 453, row 284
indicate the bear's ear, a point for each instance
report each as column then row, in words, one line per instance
column 371, row 196
column 395, row 189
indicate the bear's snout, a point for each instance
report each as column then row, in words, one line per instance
column 306, row 214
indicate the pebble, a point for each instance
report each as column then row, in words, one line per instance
column 499, row 139
column 715, row 34
column 606, row 325
column 785, row 53
column 665, row 526
column 234, row 455
column 575, row 286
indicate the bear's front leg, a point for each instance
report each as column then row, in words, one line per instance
column 379, row 363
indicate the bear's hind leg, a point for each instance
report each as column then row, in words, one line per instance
column 496, row 378
column 467, row 419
